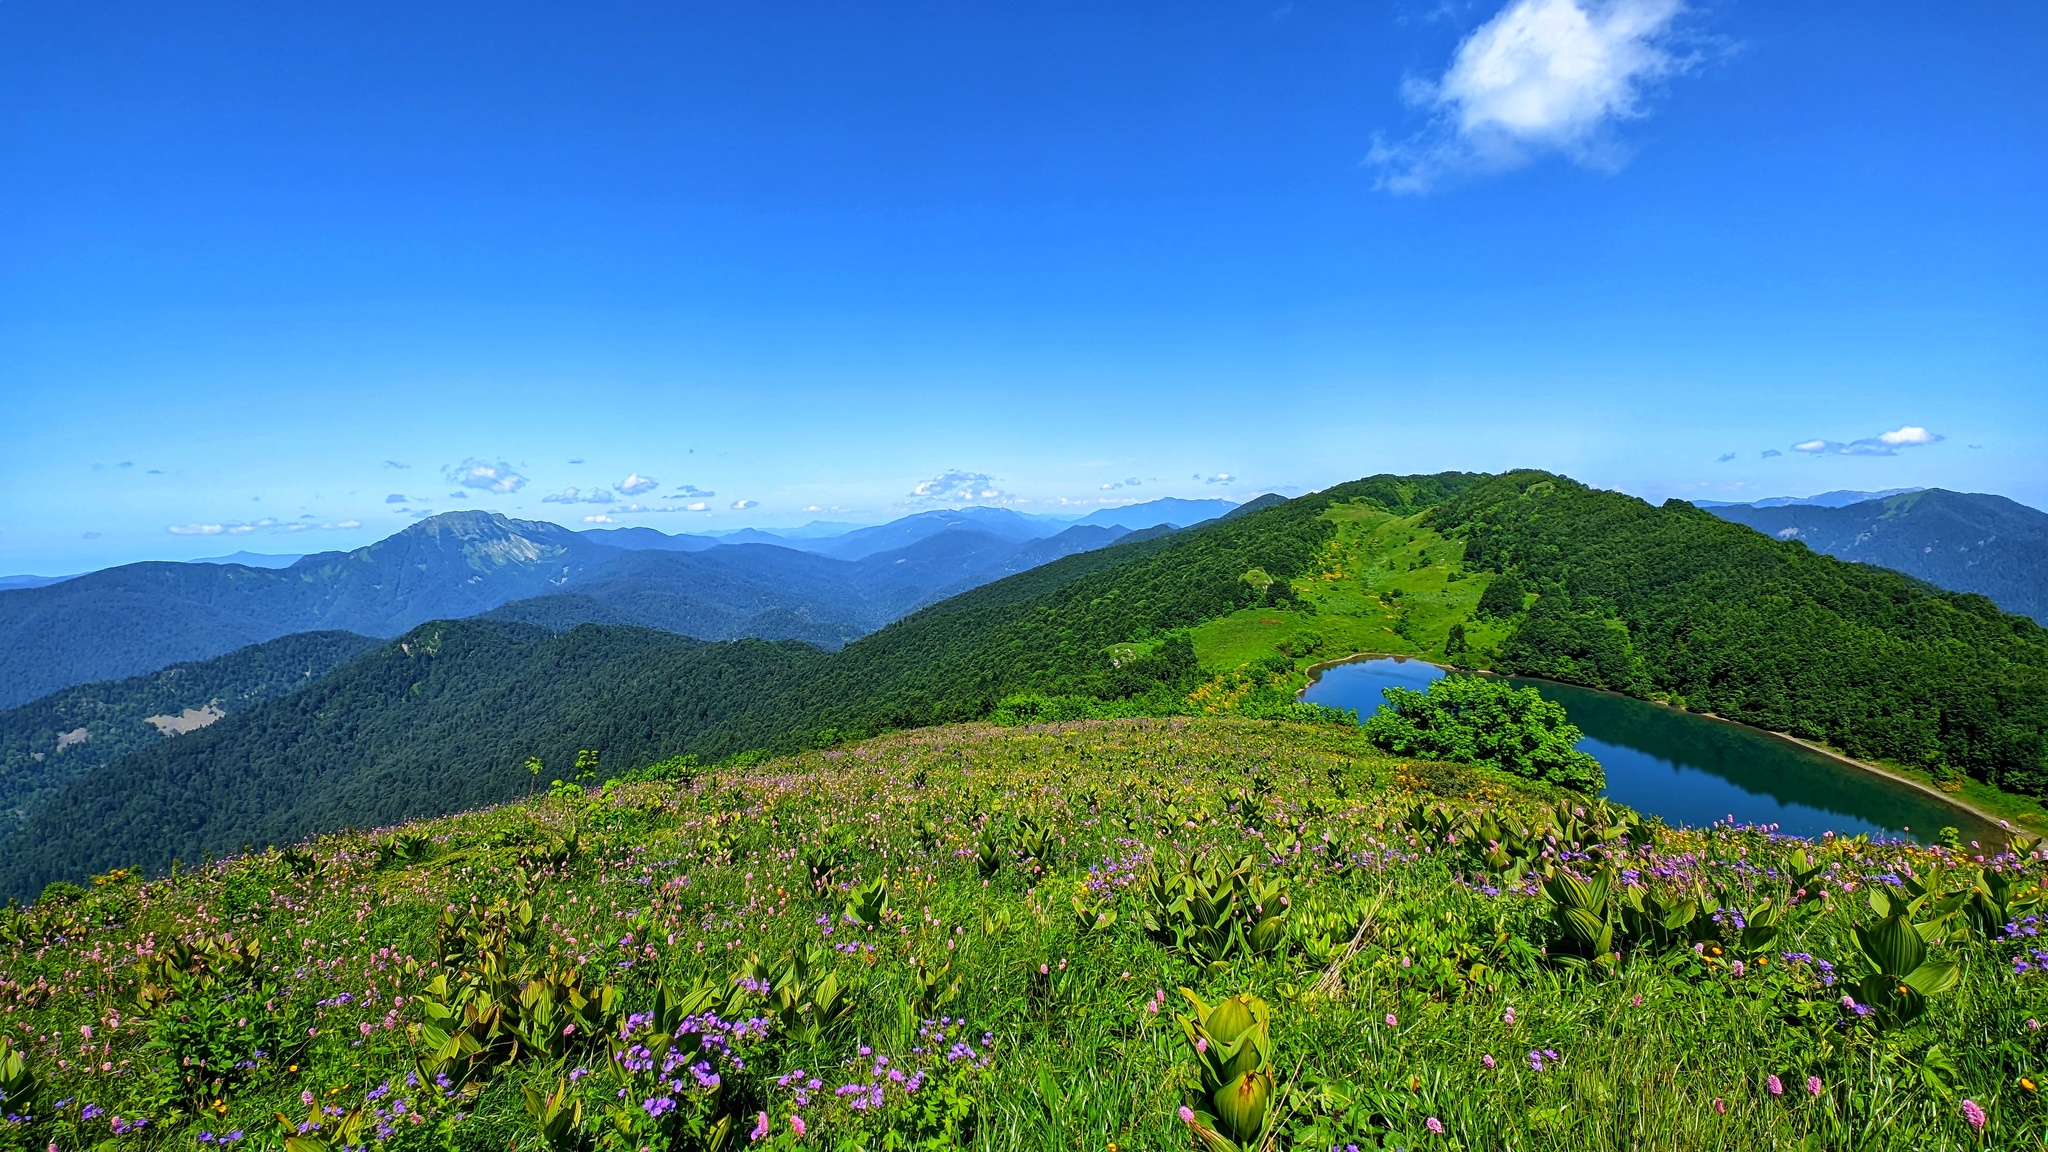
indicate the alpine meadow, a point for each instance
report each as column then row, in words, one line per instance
column 1062, row 861
column 1261, row 576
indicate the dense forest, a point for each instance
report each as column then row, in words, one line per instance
column 1723, row 619
column 47, row 743
column 1595, row 588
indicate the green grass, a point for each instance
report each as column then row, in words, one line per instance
column 662, row 884
column 1387, row 585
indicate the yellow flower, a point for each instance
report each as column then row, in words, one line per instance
column 2027, row 1084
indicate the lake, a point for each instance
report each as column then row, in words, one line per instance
column 1693, row 770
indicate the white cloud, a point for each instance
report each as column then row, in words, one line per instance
column 958, row 487
column 699, row 506
column 1542, row 76
column 1219, row 478
column 225, row 528
column 599, row 519
column 579, row 496
column 484, row 476
column 634, row 484
column 1882, row 444
column 743, row 505
column 1909, row 434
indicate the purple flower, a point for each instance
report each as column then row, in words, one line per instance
column 1974, row 1114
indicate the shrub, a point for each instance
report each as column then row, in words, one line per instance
column 1481, row 720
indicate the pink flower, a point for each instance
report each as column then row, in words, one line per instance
column 1486, row 1062
column 1201, row 1045
column 1508, row 1017
column 1187, row 1114
column 796, row 1125
column 1776, row 1085
column 1392, row 1022
column 1720, row 1106
column 1813, row 1085
column 1435, row 1125
column 760, row 1126
column 1973, row 1114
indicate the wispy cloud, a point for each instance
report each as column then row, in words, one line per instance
column 1133, row 482
column 1770, row 452
column 1724, row 457
column 1218, row 478
column 1541, row 77
column 958, row 487
column 693, row 490
column 395, row 464
column 396, row 498
column 267, row 524
column 743, row 505
column 1883, row 444
column 579, row 496
column 634, row 484
column 484, row 476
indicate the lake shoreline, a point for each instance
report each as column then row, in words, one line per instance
column 1999, row 823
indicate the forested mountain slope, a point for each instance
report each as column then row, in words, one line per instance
column 47, row 743
column 1676, row 601
column 1962, row 541
column 1526, row 572
column 438, row 721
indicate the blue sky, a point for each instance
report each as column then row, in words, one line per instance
column 264, row 267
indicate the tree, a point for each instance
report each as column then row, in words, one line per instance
column 1485, row 721
column 1502, row 598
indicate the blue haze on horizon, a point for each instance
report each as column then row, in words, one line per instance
column 264, row 268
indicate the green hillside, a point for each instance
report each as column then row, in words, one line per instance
column 1526, row 573
column 977, row 938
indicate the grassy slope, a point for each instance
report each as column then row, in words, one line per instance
column 1668, row 1053
column 1386, row 584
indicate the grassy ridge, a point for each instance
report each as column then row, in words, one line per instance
column 1021, row 865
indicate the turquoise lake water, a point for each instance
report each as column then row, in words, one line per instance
column 1693, row 770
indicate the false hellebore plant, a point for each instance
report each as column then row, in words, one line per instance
column 1233, row 1043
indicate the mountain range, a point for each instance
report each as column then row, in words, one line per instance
column 825, row 590
column 1668, row 601
column 1961, row 541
